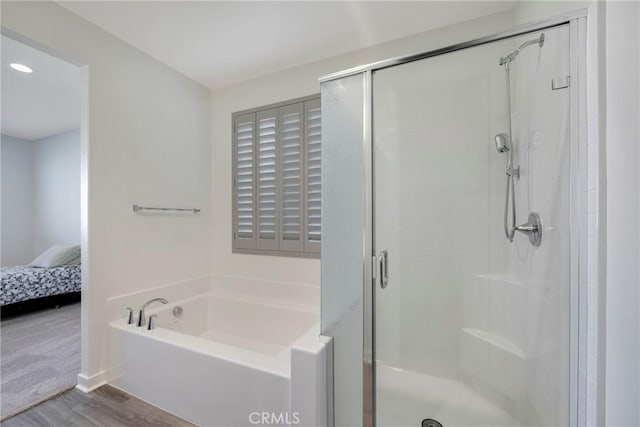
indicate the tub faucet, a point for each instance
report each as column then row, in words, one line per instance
column 141, row 319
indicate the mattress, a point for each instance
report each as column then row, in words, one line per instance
column 23, row 283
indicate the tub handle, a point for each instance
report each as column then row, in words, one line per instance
column 151, row 324
column 130, row 316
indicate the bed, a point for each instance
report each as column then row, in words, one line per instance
column 22, row 287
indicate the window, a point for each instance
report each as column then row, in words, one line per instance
column 276, row 179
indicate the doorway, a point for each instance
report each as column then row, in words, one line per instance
column 40, row 295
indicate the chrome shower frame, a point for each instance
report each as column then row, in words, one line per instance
column 577, row 23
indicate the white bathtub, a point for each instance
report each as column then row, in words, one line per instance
column 226, row 361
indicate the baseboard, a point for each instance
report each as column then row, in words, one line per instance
column 87, row 384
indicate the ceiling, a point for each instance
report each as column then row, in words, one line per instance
column 218, row 43
column 43, row 103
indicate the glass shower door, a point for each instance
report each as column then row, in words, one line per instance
column 471, row 329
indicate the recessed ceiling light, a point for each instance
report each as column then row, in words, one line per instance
column 20, row 67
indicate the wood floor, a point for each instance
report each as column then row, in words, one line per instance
column 104, row 407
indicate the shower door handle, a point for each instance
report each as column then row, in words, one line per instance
column 383, row 263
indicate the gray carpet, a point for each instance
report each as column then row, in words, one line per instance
column 40, row 357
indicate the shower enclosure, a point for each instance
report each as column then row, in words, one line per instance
column 436, row 317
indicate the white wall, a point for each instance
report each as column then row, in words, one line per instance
column 17, row 180
column 531, row 11
column 56, row 191
column 623, row 211
column 146, row 137
column 40, row 195
column 288, row 84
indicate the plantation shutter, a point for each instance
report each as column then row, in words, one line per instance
column 312, row 233
column 267, row 192
column 291, row 177
column 244, row 182
column 276, row 179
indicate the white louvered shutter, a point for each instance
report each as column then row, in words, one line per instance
column 313, row 168
column 291, row 177
column 267, row 191
column 244, row 182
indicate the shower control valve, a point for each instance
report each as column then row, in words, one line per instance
column 533, row 229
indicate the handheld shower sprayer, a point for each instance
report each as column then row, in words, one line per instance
column 504, row 144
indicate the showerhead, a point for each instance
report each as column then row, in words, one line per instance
column 502, row 142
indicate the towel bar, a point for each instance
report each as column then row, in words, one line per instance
column 137, row 208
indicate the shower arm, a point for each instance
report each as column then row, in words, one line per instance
column 506, row 60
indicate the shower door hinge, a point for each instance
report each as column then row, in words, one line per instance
column 566, row 84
